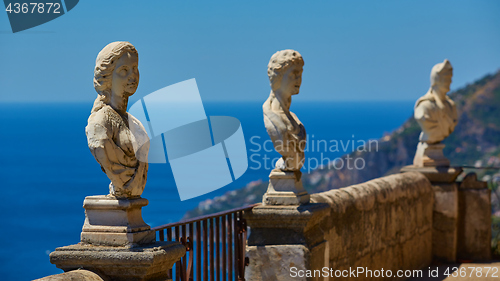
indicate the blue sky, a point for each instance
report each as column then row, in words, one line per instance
column 356, row 50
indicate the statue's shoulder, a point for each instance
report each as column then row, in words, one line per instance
column 425, row 107
column 426, row 104
column 268, row 111
column 425, row 100
column 103, row 116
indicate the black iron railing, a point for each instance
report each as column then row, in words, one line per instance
column 215, row 246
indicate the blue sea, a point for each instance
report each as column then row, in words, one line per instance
column 47, row 169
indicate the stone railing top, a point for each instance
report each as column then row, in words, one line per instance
column 381, row 190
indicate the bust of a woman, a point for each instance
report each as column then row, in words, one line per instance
column 112, row 133
column 285, row 129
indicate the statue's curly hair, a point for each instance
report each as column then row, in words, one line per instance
column 104, row 67
column 281, row 61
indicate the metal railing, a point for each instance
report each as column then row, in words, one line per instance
column 215, row 246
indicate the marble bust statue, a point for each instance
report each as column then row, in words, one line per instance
column 285, row 129
column 112, row 133
column 437, row 115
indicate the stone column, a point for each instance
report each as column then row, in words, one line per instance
column 474, row 236
column 462, row 215
column 286, row 237
column 445, row 215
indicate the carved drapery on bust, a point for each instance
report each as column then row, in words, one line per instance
column 435, row 112
column 111, row 132
column 285, row 129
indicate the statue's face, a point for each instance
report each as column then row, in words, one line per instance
column 126, row 75
column 443, row 82
column 291, row 80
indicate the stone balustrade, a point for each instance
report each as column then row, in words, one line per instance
column 398, row 222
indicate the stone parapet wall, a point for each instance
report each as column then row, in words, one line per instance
column 383, row 223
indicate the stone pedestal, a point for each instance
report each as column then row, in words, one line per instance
column 445, row 222
column 147, row 262
column 285, row 188
column 445, row 214
column 115, row 221
column 117, row 244
column 282, row 237
column 474, row 235
column 430, row 155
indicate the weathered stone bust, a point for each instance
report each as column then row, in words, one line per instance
column 435, row 112
column 111, row 132
column 285, row 129
column 437, row 115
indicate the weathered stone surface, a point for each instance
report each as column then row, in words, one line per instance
column 293, row 234
column 445, row 213
column 474, row 226
column 281, row 225
column 274, row 263
column 149, row 262
column 74, row 275
column 445, row 221
column 383, row 223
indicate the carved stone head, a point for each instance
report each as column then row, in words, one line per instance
column 441, row 75
column 285, row 72
column 116, row 71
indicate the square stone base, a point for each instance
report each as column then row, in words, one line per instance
column 148, row 262
column 270, row 262
column 111, row 221
column 445, row 222
column 282, row 237
column 285, row 188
